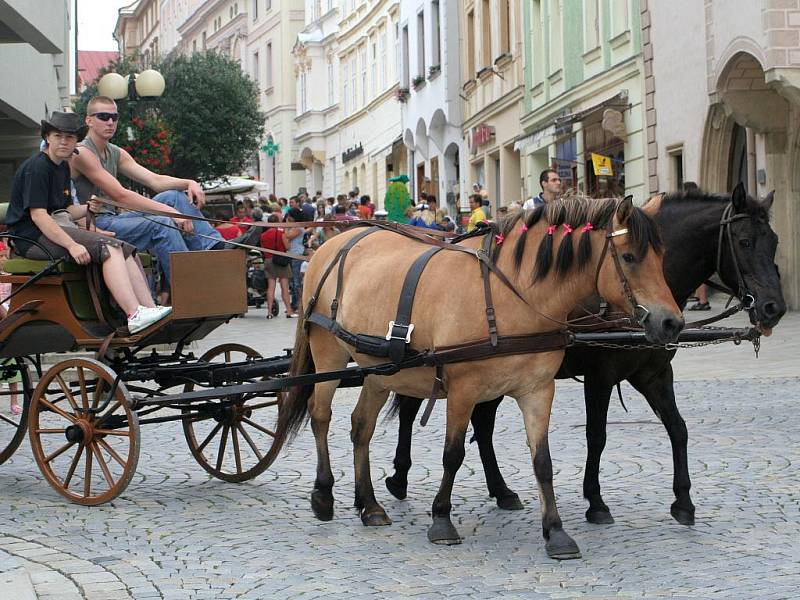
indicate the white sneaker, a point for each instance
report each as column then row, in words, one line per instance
column 144, row 317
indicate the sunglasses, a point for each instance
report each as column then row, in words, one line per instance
column 105, row 116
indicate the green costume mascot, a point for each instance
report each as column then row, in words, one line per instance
column 397, row 199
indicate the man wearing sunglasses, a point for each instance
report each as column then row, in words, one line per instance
column 95, row 170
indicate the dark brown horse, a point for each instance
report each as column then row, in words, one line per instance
column 615, row 251
column 690, row 226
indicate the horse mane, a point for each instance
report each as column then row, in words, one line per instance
column 572, row 213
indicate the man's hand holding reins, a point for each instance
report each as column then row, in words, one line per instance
column 196, row 194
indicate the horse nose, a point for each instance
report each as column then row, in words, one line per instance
column 672, row 326
column 771, row 313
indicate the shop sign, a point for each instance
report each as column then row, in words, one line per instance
column 351, row 153
column 602, row 165
column 480, row 135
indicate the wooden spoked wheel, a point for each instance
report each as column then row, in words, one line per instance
column 88, row 457
column 13, row 427
column 232, row 437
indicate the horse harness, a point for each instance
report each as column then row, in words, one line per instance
column 395, row 345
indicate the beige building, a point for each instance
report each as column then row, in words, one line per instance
column 492, row 70
column 138, row 30
column 272, row 31
column 34, row 77
column 733, row 116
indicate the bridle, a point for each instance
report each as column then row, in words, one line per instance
column 640, row 312
column 746, row 297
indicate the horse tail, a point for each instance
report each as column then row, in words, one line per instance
column 393, row 411
column 294, row 409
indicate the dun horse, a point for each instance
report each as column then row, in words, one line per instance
column 696, row 246
column 542, row 268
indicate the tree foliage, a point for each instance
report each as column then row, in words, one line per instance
column 206, row 125
column 211, row 108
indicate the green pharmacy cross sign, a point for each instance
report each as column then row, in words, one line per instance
column 271, row 148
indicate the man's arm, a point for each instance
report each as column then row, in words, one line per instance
column 88, row 165
column 160, row 183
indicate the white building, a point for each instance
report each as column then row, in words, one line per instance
column 733, row 116
column 34, row 76
column 172, row 14
column 346, row 83
column 430, row 82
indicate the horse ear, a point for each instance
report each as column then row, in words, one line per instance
column 624, row 210
column 739, row 198
column 766, row 203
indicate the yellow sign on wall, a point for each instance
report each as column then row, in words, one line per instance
column 602, row 165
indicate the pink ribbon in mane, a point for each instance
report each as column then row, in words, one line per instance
column 499, row 238
column 587, row 227
column 523, row 228
column 567, row 228
column 552, row 229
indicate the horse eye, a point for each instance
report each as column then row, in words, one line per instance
column 745, row 243
column 629, row 258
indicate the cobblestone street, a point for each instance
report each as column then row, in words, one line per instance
column 178, row 533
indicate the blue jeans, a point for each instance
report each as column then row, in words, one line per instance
column 152, row 234
column 296, row 284
column 180, row 202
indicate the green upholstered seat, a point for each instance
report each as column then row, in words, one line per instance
column 29, row 266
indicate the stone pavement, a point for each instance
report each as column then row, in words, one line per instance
column 177, row 533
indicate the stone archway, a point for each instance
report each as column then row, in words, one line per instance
column 744, row 100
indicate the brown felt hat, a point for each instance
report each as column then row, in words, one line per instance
column 66, row 123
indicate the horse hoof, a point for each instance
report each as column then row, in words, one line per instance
column 322, row 505
column 442, row 532
column 396, row 488
column 510, row 502
column 599, row 517
column 376, row 519
column 561, row 547
column 682, row 515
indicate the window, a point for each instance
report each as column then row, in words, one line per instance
column 255, row 10
column 269, row 4
column 374, row 67
column 405, row 66
column 537, row 37
column 194, row 45
column 204, row 40
column 353, row 78
column 505, row 26
column 398, row 68
column 556, row 46
column 470, row 46
column 383, row 59
column 362, row 55
column 303, row 105
column 591, row 22
column 330, row 5
column 486, row 35
column 330, row 84
column 421, row 44
column 619, row 17
column 256, row 67
column 675, row 154
column 436, row 51
column 268, row 58
column 346, row 89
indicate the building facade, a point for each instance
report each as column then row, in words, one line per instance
column 35, row 48
column 361, row 125
column 431, row 108
column 138, row 30
column 273, row 26
column 734, row 117
column 493, row 77
column 583, row 102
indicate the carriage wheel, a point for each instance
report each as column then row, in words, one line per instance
column 13, row 427
column 233, row 437
column 88, row 458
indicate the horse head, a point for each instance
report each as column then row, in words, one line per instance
column 630, row 275
column 747, row 258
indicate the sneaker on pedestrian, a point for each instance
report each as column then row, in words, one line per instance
column 145, row 316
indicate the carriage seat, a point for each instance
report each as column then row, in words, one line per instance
column 29, row 266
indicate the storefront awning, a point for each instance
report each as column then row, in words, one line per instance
column 534, row 139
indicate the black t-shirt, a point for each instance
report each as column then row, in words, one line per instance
column 39, row 183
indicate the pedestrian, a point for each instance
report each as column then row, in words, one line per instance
column 276, row 268
column 550, row 182
column 364, row 211
column 293, row 241
column 477, row 215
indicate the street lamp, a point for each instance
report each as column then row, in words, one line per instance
column 148, row 85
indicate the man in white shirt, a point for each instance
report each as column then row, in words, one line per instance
column 551, row 189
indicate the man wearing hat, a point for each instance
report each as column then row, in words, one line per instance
column 95, row 171
column 41, row 210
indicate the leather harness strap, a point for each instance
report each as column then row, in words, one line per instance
column 399, row 333
column 486, row 246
